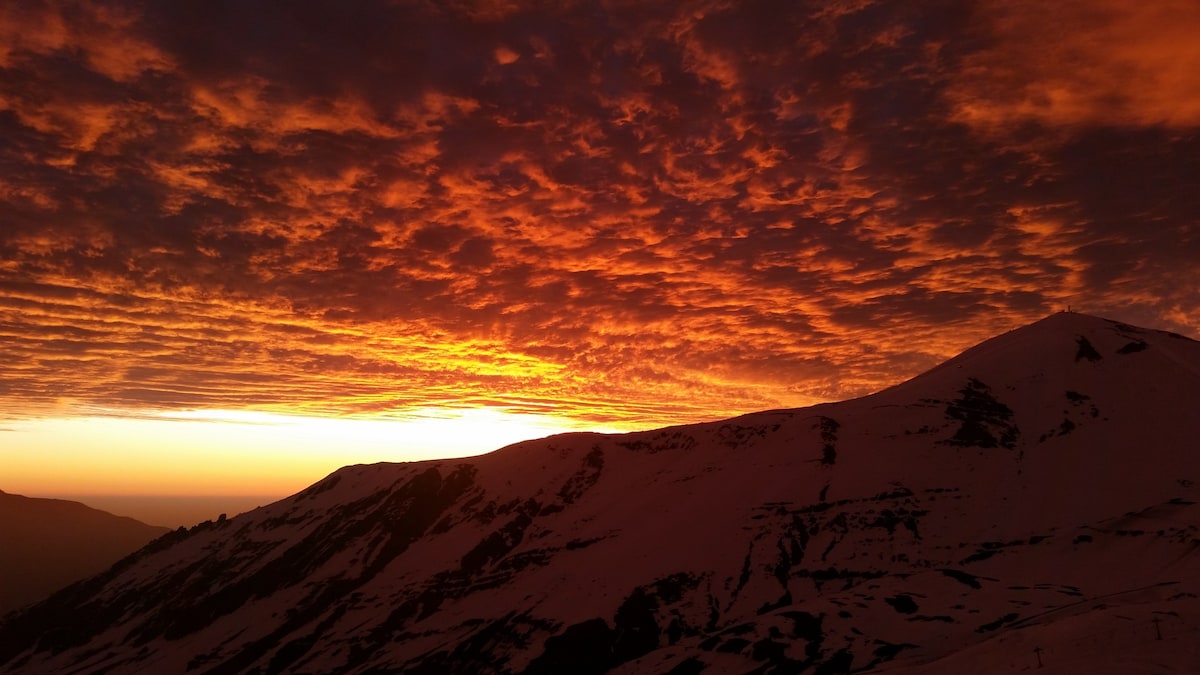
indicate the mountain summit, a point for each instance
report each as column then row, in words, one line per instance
column 1031, row 503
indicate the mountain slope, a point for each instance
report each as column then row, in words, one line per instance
column 1033, row 498
column 49, row 543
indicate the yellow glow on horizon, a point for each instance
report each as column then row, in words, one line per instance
column 233, row 452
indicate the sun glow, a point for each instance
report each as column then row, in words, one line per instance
column 243, row 452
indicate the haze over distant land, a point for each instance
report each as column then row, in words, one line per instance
column 233, row 234
column 1030, row 505
column 173, row 511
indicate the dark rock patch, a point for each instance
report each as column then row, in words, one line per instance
column 887, row 651
column 829, row 428
column 670, row 590
column 635, row 632
column 584, row 648
column 890, row 518
column 484, row 649
column 806, row 626
column 1085, row 350
column 576, row 544
column 734, row 436
column 1076, row 397
column 979, row 555
column 636, row 629
column 841, row 662
column 769, row 650
column 661, row 441
column 985, row 421
column 1132, row 347
column 963, row 577
column 828, row 574
column 733, row 645
column 902, row 603
column 584, row 478
column 498, row 544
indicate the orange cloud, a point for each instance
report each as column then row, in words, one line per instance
column 505, row 56
column 105, row 37
column 636, row 214
column 1086, row 63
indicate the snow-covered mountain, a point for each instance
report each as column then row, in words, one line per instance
column 1031, row 501
column 46, row 544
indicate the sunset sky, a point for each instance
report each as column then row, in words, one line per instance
column 244, row 243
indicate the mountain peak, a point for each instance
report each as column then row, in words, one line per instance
column 1064, row 322
column 1061, row 347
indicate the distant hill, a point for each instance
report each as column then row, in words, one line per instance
column 173, row 510
column 1032, row 504
column 46, row 544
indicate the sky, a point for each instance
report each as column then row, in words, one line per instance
column 243, row 243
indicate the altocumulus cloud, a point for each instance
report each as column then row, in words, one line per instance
column 605, row 210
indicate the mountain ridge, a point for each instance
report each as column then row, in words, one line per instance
column 981, row 504
column 49, row 543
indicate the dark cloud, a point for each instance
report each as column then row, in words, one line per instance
column 621, row 211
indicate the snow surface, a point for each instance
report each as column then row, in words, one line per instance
column 1033, row 498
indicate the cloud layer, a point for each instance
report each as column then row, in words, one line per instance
column 616, row 211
